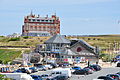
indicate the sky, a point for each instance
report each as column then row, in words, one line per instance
column 78, row 17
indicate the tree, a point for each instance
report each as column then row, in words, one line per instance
column 1, row 61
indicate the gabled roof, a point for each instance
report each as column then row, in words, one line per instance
column 68, row 51
column 85, row 45
column 57, row 39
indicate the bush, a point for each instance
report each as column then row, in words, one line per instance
column 1, row 61
column 25, row 37
column 14, row 39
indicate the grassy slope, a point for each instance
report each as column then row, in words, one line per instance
column 31, row 41
column 102, row 41
column 9, row 55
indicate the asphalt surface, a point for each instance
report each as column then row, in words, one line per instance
column 102, row 72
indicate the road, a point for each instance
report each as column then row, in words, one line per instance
column 103, row 72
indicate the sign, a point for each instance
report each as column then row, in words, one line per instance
column 26, row 57
column 79, row 49
column 65, row 59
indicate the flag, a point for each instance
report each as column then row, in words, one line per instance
column 119, row 22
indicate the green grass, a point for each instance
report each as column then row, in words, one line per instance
column 102, row 41
column 9, row 55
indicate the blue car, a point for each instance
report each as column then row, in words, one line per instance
column 33, row 69
column 76, row 68
column 17, row 71
column 36, row 77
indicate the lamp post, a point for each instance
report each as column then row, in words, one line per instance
column 97, row 50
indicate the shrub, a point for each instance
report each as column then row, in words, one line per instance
column 25, row 37
column 14, row 39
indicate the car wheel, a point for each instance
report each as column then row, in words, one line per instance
column 44, row 69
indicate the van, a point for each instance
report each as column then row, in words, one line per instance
column 59, row 71
column 18, row 76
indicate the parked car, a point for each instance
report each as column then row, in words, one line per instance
column 22, row 70
column 96, row 67
column 64, row 65
column 104, row 78
column 48, row 66
column 41, row 68
column 36, row 77
column 17, row 71
column 58, row 77
column 90, row 71
column 61, row 77
column 81, row 72
column 114, row 76
column 44, row 76
column 54, row 65
column 61, row 71
column 76, row 68
column 90, row 68
column 33, row 69
column 118, row 64
column 118, row 73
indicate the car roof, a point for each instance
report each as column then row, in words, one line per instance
column 103, row 77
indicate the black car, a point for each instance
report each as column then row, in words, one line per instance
column 36, row 77
column 96, row 67
column 114, row 76
column 59, row 77
column 118, row 73
column 105, row 78
column 81, row 72
column 118, row 64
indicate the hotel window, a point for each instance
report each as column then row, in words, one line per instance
column 38, row 20
column 29, row 19
column 40, row 28
column 31, row 27
column 42, row 20
column 35, row 27
column 50, row 20
column 44, row 28
column 33, row 20
column 46, row 20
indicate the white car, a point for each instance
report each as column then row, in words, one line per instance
column 48, row 66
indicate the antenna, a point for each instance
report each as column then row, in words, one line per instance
column 55, row 12
column 31, row 13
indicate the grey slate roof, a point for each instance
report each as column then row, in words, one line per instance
column 68, row 52
column 86, row 45
column 57, row 39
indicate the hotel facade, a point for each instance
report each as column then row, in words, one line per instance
column 35, row 25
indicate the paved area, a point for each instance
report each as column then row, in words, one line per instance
column 103, row 72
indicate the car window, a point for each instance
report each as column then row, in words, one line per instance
column 58, row 72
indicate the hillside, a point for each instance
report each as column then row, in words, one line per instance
column 103, row 41
column 7, row 55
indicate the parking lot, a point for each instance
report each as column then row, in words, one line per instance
column 102, row 72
